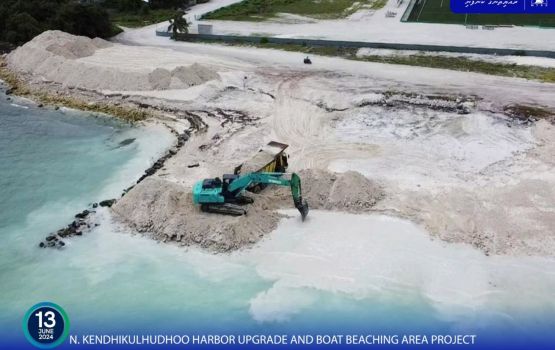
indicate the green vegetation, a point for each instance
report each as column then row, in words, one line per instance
column 378, row 4
column 446, row 62
column 468, row 65
column 137, row 13
column 258, row 10
column 21, row 20
column 140, row 19
column 178, row 24
column 439, row 11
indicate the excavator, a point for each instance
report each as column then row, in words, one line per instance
column 226, row 195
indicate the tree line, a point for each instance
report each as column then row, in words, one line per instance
column 22, row 20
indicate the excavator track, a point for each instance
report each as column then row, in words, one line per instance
column 224, row 208
column 244, row 200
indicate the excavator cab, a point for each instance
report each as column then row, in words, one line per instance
column 228, row 178
column 211, row 183
column 229, row 195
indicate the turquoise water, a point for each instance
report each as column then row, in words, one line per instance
column 381, row 275
column 50, row 157
column 55, row 164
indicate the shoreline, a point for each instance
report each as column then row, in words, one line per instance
column 84, row 221
column 18, row 86
column 424, row 155
column 168, row 112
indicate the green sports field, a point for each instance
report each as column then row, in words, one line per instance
column 439, row 11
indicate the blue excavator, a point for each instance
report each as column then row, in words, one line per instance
column 227, row 195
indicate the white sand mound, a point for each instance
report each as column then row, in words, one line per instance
column 195, row 74
column 59, row 57
column 164, row 210
column 349, row 191
column 76, row 47
column 160, row 79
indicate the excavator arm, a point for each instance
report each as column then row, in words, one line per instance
column 243, row 182
column 226, row 196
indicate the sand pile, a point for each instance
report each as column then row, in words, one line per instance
column 164, row 210
column 76, row 47
column 60, row 57
column 53, row 47
column 160, row 79
column 349, row 191
column 195, row 74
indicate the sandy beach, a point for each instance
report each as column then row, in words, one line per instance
column 436, row 147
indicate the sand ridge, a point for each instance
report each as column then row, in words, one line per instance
column 60, row 57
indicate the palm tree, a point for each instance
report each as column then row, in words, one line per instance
column 178, row 24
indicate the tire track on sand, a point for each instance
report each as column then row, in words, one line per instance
column 306, row 128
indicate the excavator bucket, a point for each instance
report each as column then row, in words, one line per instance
column 296, row 191
column 303, row 209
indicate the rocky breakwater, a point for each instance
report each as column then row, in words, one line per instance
column 85, row 221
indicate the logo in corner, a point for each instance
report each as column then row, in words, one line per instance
column 538, row 3
column 46, row 325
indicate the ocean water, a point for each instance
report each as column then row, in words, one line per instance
column 335, row 273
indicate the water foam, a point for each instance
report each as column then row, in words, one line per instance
column 369, row 256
